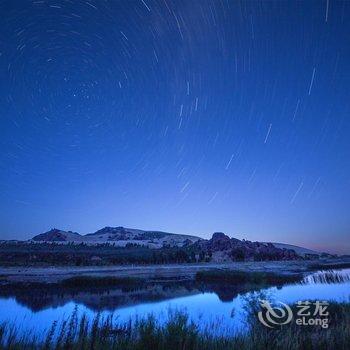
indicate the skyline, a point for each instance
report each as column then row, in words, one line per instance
column 201, row 236
column 180, row 116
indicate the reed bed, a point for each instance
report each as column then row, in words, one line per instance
column 178, row 332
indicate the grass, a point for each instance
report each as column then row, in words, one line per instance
column 327, row 266
column 180, row 333
column 327, row 277
column 239, row 277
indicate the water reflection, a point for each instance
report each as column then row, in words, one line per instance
column 38, row 298
column 206, row 303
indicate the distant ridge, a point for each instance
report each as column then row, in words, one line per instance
column 121, row 237
column 299, row 250
column 56, row 235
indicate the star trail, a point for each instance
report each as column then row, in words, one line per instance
column 183, row 116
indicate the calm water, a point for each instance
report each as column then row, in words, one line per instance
column 37, row 312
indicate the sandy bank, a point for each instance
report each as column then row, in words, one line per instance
column 179, row 271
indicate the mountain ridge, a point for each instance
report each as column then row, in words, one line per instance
column 121, row 236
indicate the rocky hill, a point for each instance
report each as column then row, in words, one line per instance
column 222, row 248
column 219, row 248
column 55, row 235
column 119, row 236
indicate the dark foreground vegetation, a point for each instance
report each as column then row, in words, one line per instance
column 56, row 254
column 231, row 277
column 27, row 253
column 178, row 332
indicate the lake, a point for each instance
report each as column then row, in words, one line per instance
column 223, row 305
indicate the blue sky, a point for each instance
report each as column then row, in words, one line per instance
column 184, row 116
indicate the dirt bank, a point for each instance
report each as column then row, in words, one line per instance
column 178, row 271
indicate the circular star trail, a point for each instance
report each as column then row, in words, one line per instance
column 183, row 116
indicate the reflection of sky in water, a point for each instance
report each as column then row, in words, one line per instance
column 203, row 308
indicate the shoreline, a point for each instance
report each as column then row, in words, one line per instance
column 57, row 274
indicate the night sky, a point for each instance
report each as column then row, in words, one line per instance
column 183, row 116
